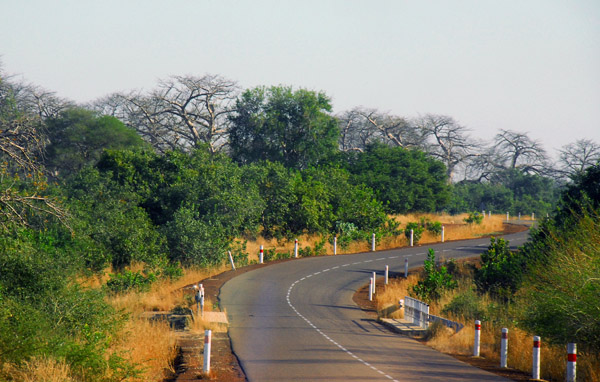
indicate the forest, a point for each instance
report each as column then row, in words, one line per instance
column 179, row 175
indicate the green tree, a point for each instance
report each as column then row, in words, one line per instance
column 404, row 180
column 282, row 125
column 78, row 137
column 501, row 270
column 435, row 280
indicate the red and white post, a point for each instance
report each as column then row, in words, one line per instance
column 207, row 341
column 477, row 338
column 261, row 255
column 405, row 268
column 535, row 370
column 371, row 289
column 504, row 348
column 571, row 362
column 387, row 274
column 296, row 248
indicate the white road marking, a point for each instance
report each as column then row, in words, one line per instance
column 325, row 335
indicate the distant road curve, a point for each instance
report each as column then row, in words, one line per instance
column 296, row 321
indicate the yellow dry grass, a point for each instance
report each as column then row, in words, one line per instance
column 39, row 369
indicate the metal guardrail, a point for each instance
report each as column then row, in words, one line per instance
column 418, row 312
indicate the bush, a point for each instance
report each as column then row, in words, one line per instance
column 501, row 270
column 128, row 280
column 474, row 217
column 434, row 281
column 434, row 227
column 466, row 305
column 417, row 231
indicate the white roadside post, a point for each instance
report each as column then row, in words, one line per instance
column 335, row 245
column 387, row 273
column 261, row 255
column 405, row 268
column 519, row 216
column 535, row 370
column 533, row 216
column 374, row 282
column 443, row 234
column 489, row 214
column 373, row 243
column 477, row 338
column 296, row 248
column 504, row 348
column 507, row 216
column 207, row 341
column 483, row 213
column 231, row 260
column 571, row 362
column 412, row 237
column 371, row 289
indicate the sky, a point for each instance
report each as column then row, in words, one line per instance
column 524, row 65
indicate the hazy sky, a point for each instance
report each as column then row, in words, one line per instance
column 524, row 65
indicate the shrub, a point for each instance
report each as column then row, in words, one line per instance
column 434, row 227
column 417, row 231
column 474, row 217
column 128, row 280
column 434, row 281
column 466, row 305
column 501, row 270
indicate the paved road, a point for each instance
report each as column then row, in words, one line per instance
column 296, row 321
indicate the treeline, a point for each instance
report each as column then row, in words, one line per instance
column 183, row 173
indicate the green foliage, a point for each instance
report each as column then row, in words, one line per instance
column 128, row 280
column 434, row 227
column 318, row 250
column 435, row 280
column 466, row 305
column 346, row 233
column 78, row 137
column 501, row 270
column 474, row 218
column 282, row 125
column 417, row 231
column 404, row 180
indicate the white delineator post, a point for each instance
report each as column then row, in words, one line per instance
column 489, row 214
column 207, row 340
column 296, row 248
column 535, row 370
column 533, row 216
column 231, row 260
column 405, row 268
column 387, row 273
column 519, row 216
column 412, row 237
column 373, row 243
column 443, row 234
column 504, row 348
column 374, row 282
column 571, row 362
column 477, row 338
column 335, row 245
column 483, row 213
column 261, row 255
column 507, row 216
column 371, row 289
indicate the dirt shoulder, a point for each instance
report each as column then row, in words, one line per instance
column 225, row 365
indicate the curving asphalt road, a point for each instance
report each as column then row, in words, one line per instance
column 296, row 321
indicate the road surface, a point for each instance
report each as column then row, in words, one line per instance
column 296, row 321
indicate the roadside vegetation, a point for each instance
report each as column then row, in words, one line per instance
column 550, row 287
column 108, row 210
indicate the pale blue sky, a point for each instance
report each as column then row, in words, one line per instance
column 524, row 65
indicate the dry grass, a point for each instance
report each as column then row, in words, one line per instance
column 39, row 369
column 455, row 229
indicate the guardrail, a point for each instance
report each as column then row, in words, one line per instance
column 418, row 312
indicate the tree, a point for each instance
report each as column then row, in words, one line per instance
column 282, row 125
column 23, row 187
column 520, row 152
column 181, row 113
column 404, row 180
column 451, row 144
column 77, row 137
column 360, row 127
column 577, row 156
